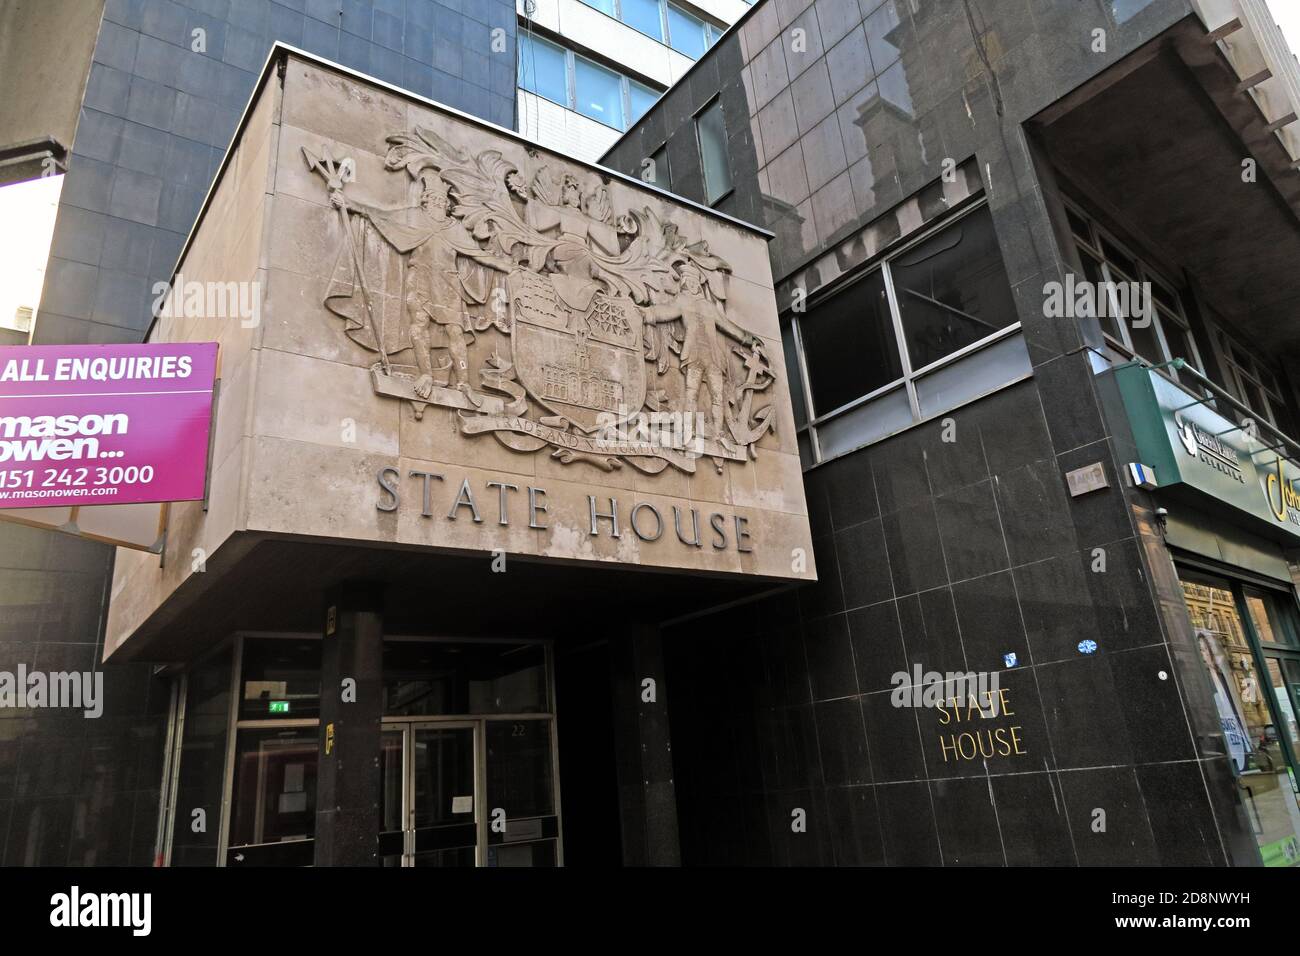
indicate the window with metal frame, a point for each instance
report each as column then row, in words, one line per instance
column 543, row 69
column 711, row 138
column 270, row 773
column 639, row 99
column 558, row 74
column 598, row 92
column 930, row 327
column 659, row 172
column 1252, row 382
column 1159, row 337
column 687, row 33
column 645, row 16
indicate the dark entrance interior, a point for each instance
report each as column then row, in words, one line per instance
column 589, row 797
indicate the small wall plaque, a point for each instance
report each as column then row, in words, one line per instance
column 1088, row 478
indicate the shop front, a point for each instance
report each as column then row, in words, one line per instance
column 1231, row 523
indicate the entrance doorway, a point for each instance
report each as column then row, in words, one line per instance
column 428, row 795
column 468, row 766
column 476, row 792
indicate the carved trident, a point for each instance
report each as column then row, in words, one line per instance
column 336, row 176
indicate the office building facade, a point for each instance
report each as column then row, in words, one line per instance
column 1089, row 497
column 589, row 69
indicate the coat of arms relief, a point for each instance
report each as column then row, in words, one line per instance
column 601, row 335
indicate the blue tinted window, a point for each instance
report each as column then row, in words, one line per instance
column 686, row 33
column 599, row 92
column 541, row 69
column 642, row 98
column 644, row 16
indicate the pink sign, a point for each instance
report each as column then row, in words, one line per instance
column 104, row 424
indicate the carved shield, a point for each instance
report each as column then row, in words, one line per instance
column 585, row 365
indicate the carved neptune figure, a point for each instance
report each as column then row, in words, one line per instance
column 615, row 325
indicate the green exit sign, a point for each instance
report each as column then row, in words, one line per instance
column 279, row 707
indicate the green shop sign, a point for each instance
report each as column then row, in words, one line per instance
column 1189, row 445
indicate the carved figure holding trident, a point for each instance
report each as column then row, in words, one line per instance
column 442, row 274
column 336, row 176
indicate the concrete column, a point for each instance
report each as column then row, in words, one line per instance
column 643, row 750
column 351, row 712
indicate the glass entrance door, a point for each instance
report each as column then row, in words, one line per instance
column 468, row 765
column 428, row 795
column 476, row 792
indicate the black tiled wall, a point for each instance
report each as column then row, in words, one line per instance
column 73, row 791
column 947, row 556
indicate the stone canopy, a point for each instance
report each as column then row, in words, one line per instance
column 464, row 347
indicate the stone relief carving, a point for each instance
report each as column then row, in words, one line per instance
column 598, row 333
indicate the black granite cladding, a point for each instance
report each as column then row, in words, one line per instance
column 167, row 85
column 836, row 111
column 946, row 556
column 74, row 790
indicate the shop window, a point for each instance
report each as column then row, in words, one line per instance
column 711, row 133
column 542, row 69
column 932, row 327
column 1271, row 623
column 1255, row 686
